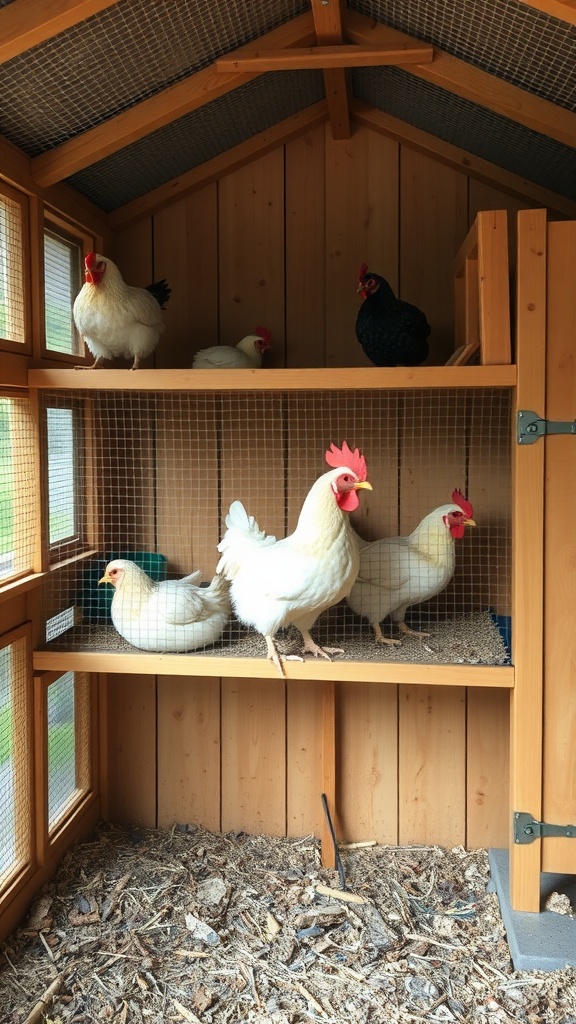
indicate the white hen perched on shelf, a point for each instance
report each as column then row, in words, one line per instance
column 246, row 355
column 278, row 583
column 174, row 615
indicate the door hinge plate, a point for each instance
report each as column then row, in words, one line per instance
column 526, row 829
column 530, row 426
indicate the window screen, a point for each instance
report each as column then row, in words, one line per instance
column 63, row 454
column 18, row 520
column 62, row 262
column 12, row 315
column 14, row 760
column 68, row 744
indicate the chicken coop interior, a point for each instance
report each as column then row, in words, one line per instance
column 254, row 161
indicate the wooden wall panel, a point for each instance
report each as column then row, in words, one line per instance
column 361, row 227
column 251, row 253
column 487, row 774
column 432, row 747
column 131, row 749
column 305, row 250
column 433, row 223
column 254, row 756
column 304, row 758
column 186, row 254
column 559, row 795
column 189, row 751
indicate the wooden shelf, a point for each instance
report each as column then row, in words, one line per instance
column 141, row 663
column 322, row 379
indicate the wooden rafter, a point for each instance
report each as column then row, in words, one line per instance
column 26, row 23
column 565, row 10
column 154, row 113
column 328, row 26
column 478, row 86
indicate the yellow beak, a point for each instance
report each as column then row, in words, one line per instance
column 363, row 485
column 105, row 579
column 468, row 522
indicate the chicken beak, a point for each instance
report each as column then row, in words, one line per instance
column 105, row 579
column 363, row 485
column 468, row 522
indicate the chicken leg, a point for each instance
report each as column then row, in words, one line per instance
column 410, row 632
column 380, row 638
column 275, row 656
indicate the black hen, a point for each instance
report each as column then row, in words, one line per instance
column 391, row 332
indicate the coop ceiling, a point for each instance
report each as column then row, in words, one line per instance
column 119, row 98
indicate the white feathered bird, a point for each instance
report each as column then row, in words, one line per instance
column 246, row 355
column 173, row 615
column 278, row 583
column 397, row 572
column 115, row 318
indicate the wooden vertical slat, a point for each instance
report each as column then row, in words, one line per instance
column 305, row 264
column 367, row 745
column 528, row 564
column 329, row 771
column 304, row 757
column 131, row 729
column 254, row 756
column 494, row 297
column 431, row 758
column 487, row 768
column 362, row 228
column 559, row 804
column 189, row 751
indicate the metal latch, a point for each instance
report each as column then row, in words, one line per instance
column 530, row 426
column 526, row 829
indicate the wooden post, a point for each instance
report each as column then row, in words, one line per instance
column 329, row 768
column 528, row 558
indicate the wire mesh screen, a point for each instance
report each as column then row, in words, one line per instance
column 12, row 317
column 14, row 760
column 62, row 282
column 164, row 469
column 18, row 524
column 68, row 744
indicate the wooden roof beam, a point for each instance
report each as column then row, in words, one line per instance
column 564, row 10
column 327, row 16
column 319, row 57
column 149, row 115
column 27, row 23
column 479, row 87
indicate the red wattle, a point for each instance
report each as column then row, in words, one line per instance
column 347, row 501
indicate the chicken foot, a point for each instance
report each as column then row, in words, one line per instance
column 275, row 656
column 311, row 647
column 93, row 366
column 410, row 632
column 380, row 638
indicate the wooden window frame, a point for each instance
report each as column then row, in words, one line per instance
column 33, row 511
column 77, row 545
column 68, row 232
column 23, row 347
column 23, row 868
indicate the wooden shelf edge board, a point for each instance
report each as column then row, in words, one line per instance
column 341, row 378
column 141, row 663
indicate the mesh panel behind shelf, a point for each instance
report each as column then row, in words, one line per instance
column 161, row 470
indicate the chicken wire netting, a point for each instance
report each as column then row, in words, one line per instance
column 15, row 835
column 68, row 743
column 158, row 473
column 18, row 500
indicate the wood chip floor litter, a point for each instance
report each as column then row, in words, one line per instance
column 184, row 925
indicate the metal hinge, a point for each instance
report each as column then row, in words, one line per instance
column 530, row 426
column 526, row 829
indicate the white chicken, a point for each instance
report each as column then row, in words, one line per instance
column 246, row 355
column 397, row 572
column 174, row 615
column 278, row 583
column 117, row 319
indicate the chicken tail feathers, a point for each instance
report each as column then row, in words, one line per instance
column 161, row 292
column 242, row 536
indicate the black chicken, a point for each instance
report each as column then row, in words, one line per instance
column 391, row 332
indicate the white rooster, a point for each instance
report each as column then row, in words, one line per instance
column 397, row 572
column 278, row 583
column 174, row 615
column 246, row 355
column 115, row 318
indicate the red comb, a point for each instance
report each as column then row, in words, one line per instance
column 263, row 333
column 363, row 270
column 459, row 499
column 90, row 260
column 345, row 457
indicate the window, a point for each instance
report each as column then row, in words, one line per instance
column 15, row 836
column 18, row 494
column 65, row 480
column 68, row 744
column 62, row 282
column 12, row 232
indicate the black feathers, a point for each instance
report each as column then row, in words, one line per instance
column 391, row 332
column 161, row 292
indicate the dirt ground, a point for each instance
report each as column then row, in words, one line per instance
column 184, row 925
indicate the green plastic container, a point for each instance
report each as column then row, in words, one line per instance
column 95, row 600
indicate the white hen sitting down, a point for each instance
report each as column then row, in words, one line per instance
column 174, row 615
column 397, row 572
column 115, row 318
column 277, row 583
column 246, row 355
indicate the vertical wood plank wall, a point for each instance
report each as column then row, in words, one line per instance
column 279, row 243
